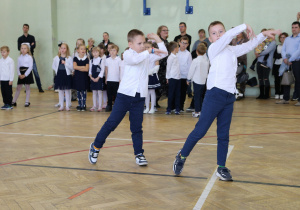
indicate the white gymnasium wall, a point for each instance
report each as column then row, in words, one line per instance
column 67, row 20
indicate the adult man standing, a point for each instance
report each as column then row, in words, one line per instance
column 27, row 38
column 182, row 29
column 291, row 56
column 106, row 40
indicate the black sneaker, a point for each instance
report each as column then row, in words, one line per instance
column 41, row 90
column 14, row 103
column 108, row 109
column 93, row 154
column 83, row 109
column 178, row 163
column 141, row 160
column 224, row 174
column 27, row 104
column 78, row 108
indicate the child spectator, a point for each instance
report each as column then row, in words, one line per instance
column 185, row 60
column 219, row 97
column 131, row 95
column 63, row 67
column 103, row 57
column 96, row 72
column 198, row 74
column 7, row 70
column 81, row 79
column 173, row 78
column 112, row 75
column 25, row 63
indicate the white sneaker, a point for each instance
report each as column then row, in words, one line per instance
column 141, row 160
column 281, row 97
column 152, row 111
column 146, row 111
column 196, row 114
column 276, row 96
column 57, row 105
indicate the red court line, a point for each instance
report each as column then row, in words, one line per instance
column 80, row 193
column 122, row 145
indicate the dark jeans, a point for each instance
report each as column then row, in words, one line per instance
column 124, row 103
column 198, row 96
column 183, row 89
column 287, row 88
column 263, row 75
column 277, row 80
column 36, row 75
column 6, row 91
column 112, row 89
column 174, row 94
column 217, row 104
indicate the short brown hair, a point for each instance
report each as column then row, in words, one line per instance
column 4, row 48
column 182, row 23
column 172, row 46
column 284, row 34
column 215, row 23
column 133, row 33
column 184, row 38
column 201, row 49
column 115, row 47
column 201, row 30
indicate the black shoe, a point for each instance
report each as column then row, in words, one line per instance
column 190, row 95
column 252, row 67
column 74, row 99
column 27, row 104
column 41, row 90
column 157, row 105
column 78, row 108
column 83, row 109
column 14, row 103
column 108, row 109
column 224, row 174
column 178, row 163
column 261, row 92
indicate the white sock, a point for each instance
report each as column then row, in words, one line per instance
column 147, row 100
column 27, row 88
column 18, row 90
column 61, row 98
column 104, row 95
column 94, row 98
column 99, row 99
column 68, row 98
column 153, row 98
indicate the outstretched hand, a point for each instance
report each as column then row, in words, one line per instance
column 271, row 33
column 298, row 16
column 250, row 33
column 153, row 36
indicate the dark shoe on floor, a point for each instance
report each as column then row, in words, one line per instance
column 178, row 163
column 78, row 108
column 27, row 104
column 157, row 106
column 14, row 103
column 93, row 154
column 41, row 90
column 140, row 159
column 4, row 107
column 83, row 109
column 224, row 174
column 190, row 95
column 108, row 109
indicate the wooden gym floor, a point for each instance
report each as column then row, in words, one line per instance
column 44, row 160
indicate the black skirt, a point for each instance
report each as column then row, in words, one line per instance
column 27, row 80
column 80, row 81
column 153, row 82
column 63, row 81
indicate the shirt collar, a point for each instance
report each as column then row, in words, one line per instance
column 82, row 59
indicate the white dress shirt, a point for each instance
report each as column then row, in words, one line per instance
column 185, row 60
column 96, row 61
column 113, row 69
column 279, row 61
column 135, row 76
column 25, row 61
column 173, row 71
column 199, row 70
column 68, row 64
column 223, row 59
column 7, row 69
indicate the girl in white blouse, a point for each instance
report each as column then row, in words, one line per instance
column 25, row 63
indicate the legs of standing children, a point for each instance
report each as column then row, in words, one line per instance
column 61, row 99
column 152, row 95
column 174, row 94
column 104, row 95
column 183, row 89
column 6, row 91
column 81, row 95
column 99, row 92
column 147, row 102
column 18, row 90
column 198, row 92
column 264, row 83
column 95, row 93
column 217, row 104
column 37, row 76
column 27, row 88
column 68, row 99
column 112, row 88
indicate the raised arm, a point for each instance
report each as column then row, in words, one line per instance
column 270, row 48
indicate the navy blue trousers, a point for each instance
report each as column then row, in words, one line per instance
column 124, row 103
column 174, row 94
column 217, row 104
column 198, row 96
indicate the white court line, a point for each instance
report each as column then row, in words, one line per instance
column 260, row 147
column 87, row 137
column 209, row 185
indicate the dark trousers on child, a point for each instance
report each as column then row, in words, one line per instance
column 183, row 89
column 112, row 89
column 124, row 103
column 174, row 94
column 217, row 104
column 286, row 88
column 6, row 91
column 198, row 96
column 277, row 80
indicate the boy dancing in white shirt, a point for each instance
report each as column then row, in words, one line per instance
column 219, row 98
column 131, row 95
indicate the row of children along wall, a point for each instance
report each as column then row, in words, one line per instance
column 103, row 73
